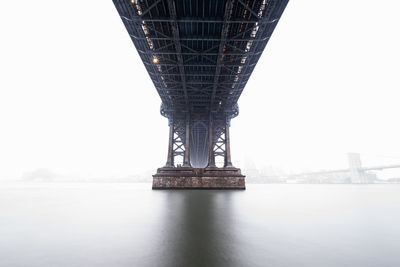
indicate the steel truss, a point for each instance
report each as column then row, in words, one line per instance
column 200, row 55
column 206, row 140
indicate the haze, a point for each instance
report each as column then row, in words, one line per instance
column 76, row 99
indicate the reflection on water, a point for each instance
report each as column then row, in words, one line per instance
column 197, row 234
column 131, row 225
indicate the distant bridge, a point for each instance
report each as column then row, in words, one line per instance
column 200, row 55
column 356, row 171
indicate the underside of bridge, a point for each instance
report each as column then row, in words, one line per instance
column 199, row 55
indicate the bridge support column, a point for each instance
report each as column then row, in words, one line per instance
column 211, row 155
column 186, row 157
column 188, row 177
column 170, row 158
column 228, row 161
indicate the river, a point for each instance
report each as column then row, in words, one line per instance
column 126, row 224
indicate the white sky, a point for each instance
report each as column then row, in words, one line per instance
column 76, row 99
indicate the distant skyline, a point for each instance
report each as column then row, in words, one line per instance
column 75, row 98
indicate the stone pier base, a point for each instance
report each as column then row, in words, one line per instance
column 195, row 178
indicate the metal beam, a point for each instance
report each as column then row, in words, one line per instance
column 200, row 39
column 248, row 8
column 194, row 20
column 175, row 31
column 224, row 35
column 150, row 8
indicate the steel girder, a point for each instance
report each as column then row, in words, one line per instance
column 200, row 55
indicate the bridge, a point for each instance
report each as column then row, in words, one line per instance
column 358, row 174
column 199, row 55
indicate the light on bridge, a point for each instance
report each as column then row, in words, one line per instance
column 155, row 60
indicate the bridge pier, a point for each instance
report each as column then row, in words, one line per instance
column 170, row 157
column 190, row 175
column 211, row 155
column 186, row 157
column 198, row 178
column 227, row 158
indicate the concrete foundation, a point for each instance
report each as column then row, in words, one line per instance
column 195, row 178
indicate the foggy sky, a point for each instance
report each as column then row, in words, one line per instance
column 75, row 97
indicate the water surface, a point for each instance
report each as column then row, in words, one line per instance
column 130, row 225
